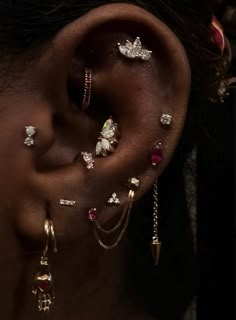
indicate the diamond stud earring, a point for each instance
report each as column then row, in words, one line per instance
column 88, row 159
column 134, row 50
column 166, row 119
column 30, row 132
column 114, row 200
column 108, row 138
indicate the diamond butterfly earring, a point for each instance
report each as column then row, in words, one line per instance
column 108, row 138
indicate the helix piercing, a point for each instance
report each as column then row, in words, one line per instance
column 134, row 50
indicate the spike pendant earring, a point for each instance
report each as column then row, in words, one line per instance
column 156, row 244
column 43, row 286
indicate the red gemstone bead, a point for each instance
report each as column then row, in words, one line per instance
column 157, row 154
column 92, row 215
column 44, row 285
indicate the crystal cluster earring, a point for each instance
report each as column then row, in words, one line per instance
column 123, row 222
column 166, row 119
column 88, row 159
column 114, row 200
column 108, row 138
column 43, row 286
column 134, row 50
column 30, row 133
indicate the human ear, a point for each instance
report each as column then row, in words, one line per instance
column 136, row 93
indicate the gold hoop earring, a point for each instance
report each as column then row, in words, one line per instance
column 43, row 286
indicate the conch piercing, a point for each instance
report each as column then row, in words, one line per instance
column 87, row 89
column 88, row 159
column 156, row 244
column 166, row 119
column 134, row 50
column 157, row 154
column 30, row 132
column 43, row 286
column 123, row 222
column 114, row 200
column 108, row 138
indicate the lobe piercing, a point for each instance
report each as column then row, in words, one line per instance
column 30, row 132
column 87, row 89
column 166, row 119
column 43, row 286
column 134, row 50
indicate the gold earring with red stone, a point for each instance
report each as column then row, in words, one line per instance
column 43, row 286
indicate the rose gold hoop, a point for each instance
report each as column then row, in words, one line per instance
column 87, row 89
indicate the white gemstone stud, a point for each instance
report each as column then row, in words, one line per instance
column 114, row 200
column 67, row 203
column 166, row 119
column 108, row 138
column 30, row 132
column 88, row 159
column 134, row 50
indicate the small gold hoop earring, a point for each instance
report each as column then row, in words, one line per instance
column 43, row 286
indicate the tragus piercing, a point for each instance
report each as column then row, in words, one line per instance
column 30, row 132
column 134, row 50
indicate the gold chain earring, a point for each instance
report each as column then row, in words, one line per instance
column 156, row 244
column 43, row 286
column 133, row 184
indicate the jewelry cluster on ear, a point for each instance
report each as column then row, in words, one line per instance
column 107, row 142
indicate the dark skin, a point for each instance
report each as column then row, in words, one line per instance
column 89, row 281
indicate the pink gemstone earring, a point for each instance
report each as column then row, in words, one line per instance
column 157, row 154
column 43, row 286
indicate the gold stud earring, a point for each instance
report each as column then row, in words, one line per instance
column 43, row 286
